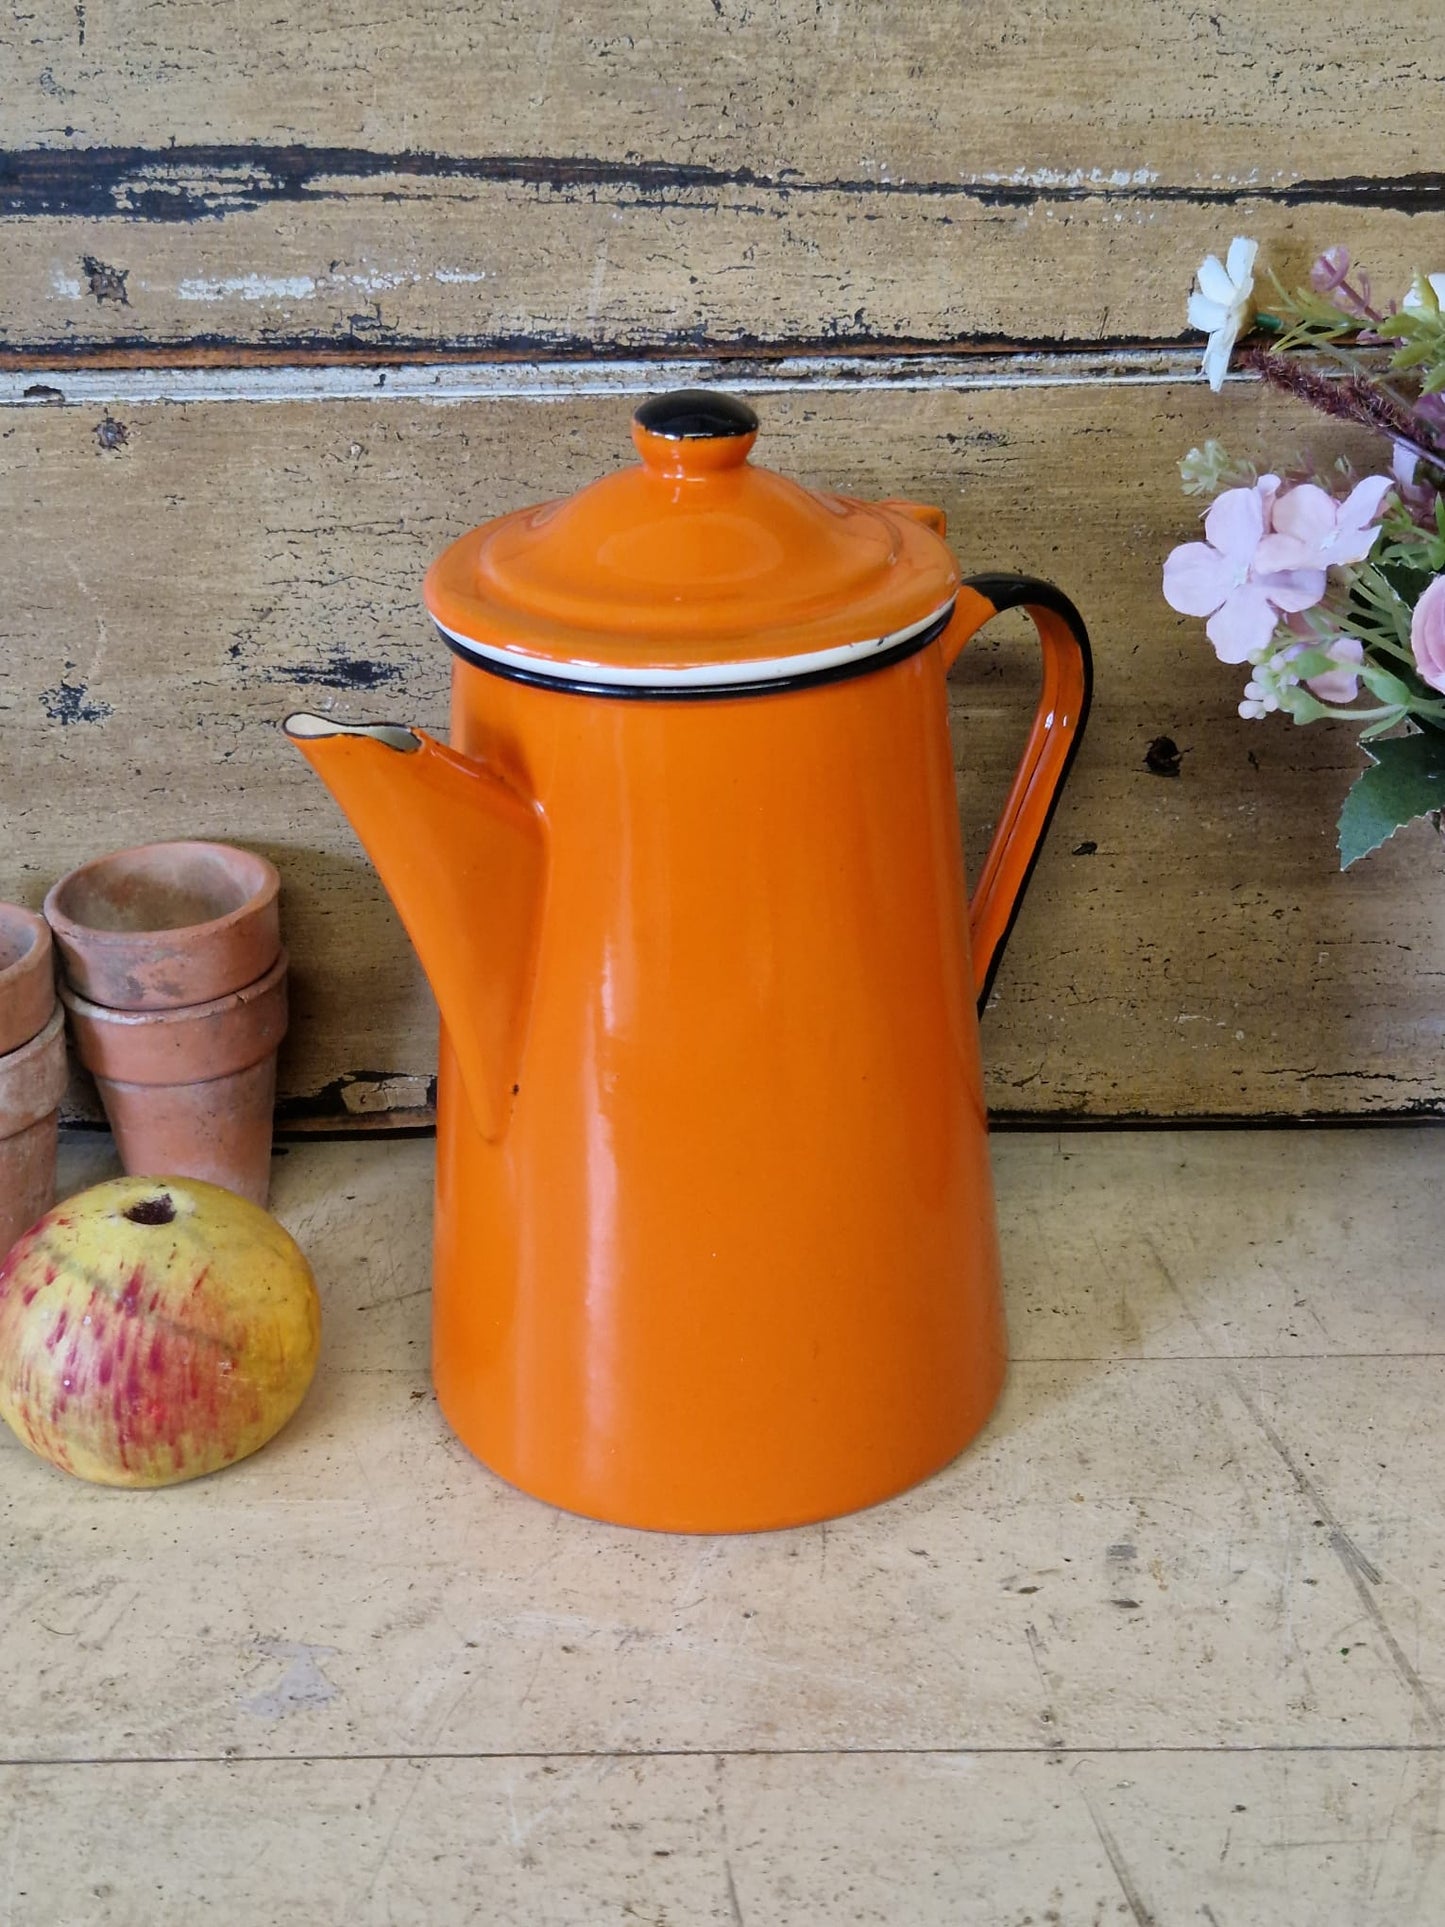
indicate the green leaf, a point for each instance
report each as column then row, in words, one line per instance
column 1420, row 330
column 1302, row 707
column 1381, row 683
column 1406, row 779
column 1205, row 471
column 1392, row 719
column 1304, row 318
column 1312, row 662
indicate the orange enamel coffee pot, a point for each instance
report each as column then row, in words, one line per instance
column 715, row 1244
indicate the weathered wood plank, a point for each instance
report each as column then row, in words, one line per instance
column 126, row 380
column 1144, row 1652
column 706, row 173
column 1157, row 1544
column 173, row 579
column 1269, row 1838
column 549, row 266
column 1051, row 91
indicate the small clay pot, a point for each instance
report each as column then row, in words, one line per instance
column 32, row 1083
column 190, row 1092
column 27, row 977
column 166, row 924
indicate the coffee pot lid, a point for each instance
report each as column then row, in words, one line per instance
column 693, row 570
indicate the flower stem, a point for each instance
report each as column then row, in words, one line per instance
column 1395, row 649
column 1362, row 306
column 1353, row 399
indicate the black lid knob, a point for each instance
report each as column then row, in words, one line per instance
column 696, row 415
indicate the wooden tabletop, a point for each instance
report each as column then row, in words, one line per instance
column 1167, row 1645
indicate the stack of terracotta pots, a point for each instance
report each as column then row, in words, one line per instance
column 175, row 981
column 32, row 1071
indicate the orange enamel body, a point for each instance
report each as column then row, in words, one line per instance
column 733, row 1263
column 715, row 1244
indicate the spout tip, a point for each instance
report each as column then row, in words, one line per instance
column 302, row 727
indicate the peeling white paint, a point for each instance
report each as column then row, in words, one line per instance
column 1100, row 177
column 377, row 282
column 571, row 381
column 577, row 380
column 66, row 285
column 249, row 287
column 303, row 287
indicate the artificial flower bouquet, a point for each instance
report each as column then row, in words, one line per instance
column 1330, row 585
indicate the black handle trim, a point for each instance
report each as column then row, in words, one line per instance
column 1024, row 592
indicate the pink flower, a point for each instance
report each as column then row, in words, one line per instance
column 1416, row 498
column 1427, row 634
column 1340, row 685
column 1314, row 531
column 1331, row 270
column 1220, row 577
column 1330, row 276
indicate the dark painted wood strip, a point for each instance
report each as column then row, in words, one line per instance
column 323, row 350
column 209, row 181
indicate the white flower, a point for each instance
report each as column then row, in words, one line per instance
column 1258, row 702
column 1414, row 302
column 1222, row 303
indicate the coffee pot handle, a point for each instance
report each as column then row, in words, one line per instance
column 1054, row 737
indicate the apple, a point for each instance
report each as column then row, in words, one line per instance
column 154, row 1329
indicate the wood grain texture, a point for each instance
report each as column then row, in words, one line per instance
column 1162, row 1540
column 1277, row 1839
column 1247, row 91
column 174, row 579
column 517, row 266
column 1164, row 1646
column 709, row 172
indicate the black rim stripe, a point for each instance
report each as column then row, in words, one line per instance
column 704, row 692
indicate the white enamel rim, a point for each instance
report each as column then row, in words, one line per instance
column 702, row 675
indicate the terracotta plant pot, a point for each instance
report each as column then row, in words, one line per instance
column 32, row 1082
column 189, row 1092
column 27, row 977
column 166, row 924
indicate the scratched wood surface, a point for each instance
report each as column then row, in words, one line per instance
column 711, row 171
column 827, row 87
column 1187, row 946
column 524, row 268
column 1166, row 1645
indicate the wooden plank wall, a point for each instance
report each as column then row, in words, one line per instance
column 289, row 301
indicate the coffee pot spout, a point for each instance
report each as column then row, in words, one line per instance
column 463, row 857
